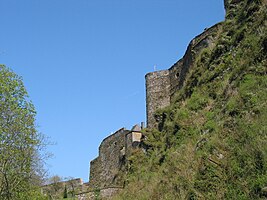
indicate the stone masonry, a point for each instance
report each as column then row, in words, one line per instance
column 162, row 85
column 157, row 93
column 160, row 89
column 105, row 169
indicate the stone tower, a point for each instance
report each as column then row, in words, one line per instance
column 157, row 94
column 161, row 86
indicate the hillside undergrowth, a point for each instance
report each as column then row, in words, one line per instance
column 212, row 143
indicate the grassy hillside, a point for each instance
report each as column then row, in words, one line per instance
column 213, row 138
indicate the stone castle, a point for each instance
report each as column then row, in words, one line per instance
column 106, row 170
column 161, row 86
column 113, row 151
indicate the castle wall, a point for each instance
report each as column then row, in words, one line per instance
column 105, row 193
column 56, row 190
column 175, row 77
column 95, row 171
column 161, row 86
column 104, row 169
column 128, row 142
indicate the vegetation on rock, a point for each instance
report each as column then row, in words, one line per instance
column 212, row 141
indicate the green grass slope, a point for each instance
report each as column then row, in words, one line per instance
column 213, row 140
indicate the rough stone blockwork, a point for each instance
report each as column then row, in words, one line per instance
column 160, row 89
column 157, row 93
column 104, row 170
column 162, row 85
column 105, row 193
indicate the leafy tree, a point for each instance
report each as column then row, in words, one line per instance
column 20, row 141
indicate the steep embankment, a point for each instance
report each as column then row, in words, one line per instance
column 213, row 138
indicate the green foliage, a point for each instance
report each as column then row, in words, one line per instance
column 19, row 140
column 197, row 101
column 212, row 139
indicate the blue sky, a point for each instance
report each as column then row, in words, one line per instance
column 83, row 63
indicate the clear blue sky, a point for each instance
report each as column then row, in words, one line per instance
column 83, row 63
